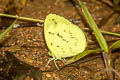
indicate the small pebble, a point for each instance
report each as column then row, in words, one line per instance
column 85, row 70
column 48, row 75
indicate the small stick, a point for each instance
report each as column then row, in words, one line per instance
column 107, row 62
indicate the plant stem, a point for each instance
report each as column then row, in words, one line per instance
column 108, row 64
column 111, row 33
column 105, row 32
column 21, row 18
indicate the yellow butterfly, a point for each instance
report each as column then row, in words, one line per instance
column 63, row 38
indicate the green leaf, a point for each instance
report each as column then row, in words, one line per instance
column 81, row 55
column 115, row 45
column 2, row 35
column 94, row 27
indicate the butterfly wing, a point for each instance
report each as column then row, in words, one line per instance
column 63, row 38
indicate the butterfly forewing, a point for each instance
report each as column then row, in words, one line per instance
column 63, row 38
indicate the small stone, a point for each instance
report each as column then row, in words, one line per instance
column 48, row 75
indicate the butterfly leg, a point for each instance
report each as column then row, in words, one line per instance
column 64, row 61
column 56, row 64
column 49, row 61
column 54, row 59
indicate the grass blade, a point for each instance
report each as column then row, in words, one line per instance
column 2, row 35
column 81, row 55
column 115, row 45
column 20, row 18
column 94, row 27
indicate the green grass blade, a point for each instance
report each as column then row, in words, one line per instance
column 94, row 27
column 2, row 35
column 115, row 45
column 111, row 33
column 105, row 32
column 20, row 18
column 81, row 55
